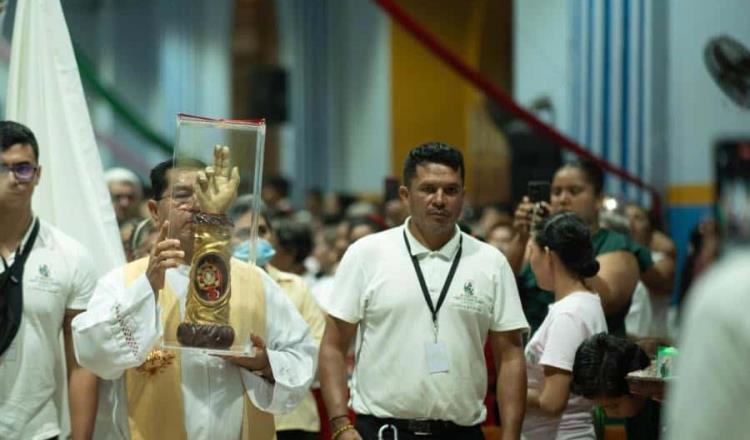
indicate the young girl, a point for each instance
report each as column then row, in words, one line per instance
column 561, row 256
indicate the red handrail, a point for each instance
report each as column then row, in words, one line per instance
column 493, row 92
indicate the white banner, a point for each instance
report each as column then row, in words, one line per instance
column 45, row 93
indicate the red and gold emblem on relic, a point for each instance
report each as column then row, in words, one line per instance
column 210, row 278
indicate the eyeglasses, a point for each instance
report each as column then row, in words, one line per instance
column 24, row 172
column 180, row 199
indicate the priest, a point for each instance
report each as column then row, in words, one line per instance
column 190, row 290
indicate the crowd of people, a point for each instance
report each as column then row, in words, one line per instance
column 406, row 313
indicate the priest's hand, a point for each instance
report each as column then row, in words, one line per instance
column 164, row 255
column 216, row 187
column 259, row 363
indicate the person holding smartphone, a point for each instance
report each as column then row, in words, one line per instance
column 578, row 187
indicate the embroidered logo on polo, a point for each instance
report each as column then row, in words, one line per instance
column 469, row 288
column 43, row 280
column 210, row 278
column 470, row 299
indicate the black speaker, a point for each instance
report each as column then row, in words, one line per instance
column 534, row 157
column 268, row 90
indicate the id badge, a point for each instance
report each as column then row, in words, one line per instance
column 437, row 356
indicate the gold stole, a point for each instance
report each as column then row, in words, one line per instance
column 155, row 407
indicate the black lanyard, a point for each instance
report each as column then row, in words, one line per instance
column 434, row 310
column 11, row 292
column 14, row 272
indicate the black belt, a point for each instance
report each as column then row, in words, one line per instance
column 420, row 427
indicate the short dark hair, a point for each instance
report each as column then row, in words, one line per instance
column 592, row 172
column 280, row 183
column 567, row 235
column 158, row 174
column 294, row 237
column 14, row 133
column 158, row 178
column 432, row 152
column 602, row 363
column 372, row 220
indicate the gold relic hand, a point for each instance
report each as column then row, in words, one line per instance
column 216, row 187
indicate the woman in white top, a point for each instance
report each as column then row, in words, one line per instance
column 561, row 256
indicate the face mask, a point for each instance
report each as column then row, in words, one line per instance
column 264, row 252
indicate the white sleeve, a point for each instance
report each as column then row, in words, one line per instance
column 566, row 333
column 119, row 328
column 345, row 300
column 292, row 352
column 507, row 313
column 83, row 279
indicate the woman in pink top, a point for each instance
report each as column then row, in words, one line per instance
column 562, row 257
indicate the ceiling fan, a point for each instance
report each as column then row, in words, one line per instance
column 728, row 61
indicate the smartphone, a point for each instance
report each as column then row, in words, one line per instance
column 538, row 191
column 391, row 188
column 732, row 182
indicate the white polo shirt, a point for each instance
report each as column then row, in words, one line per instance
column 376, row 286
column 58, row 275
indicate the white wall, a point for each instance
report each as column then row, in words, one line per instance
column 699, row 112
column 541, row 55
column 591, row 59
column 682, row 110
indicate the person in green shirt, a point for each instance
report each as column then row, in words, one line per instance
column 577, row 187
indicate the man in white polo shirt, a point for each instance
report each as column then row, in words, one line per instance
column 46, row 278
column 422, row 300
